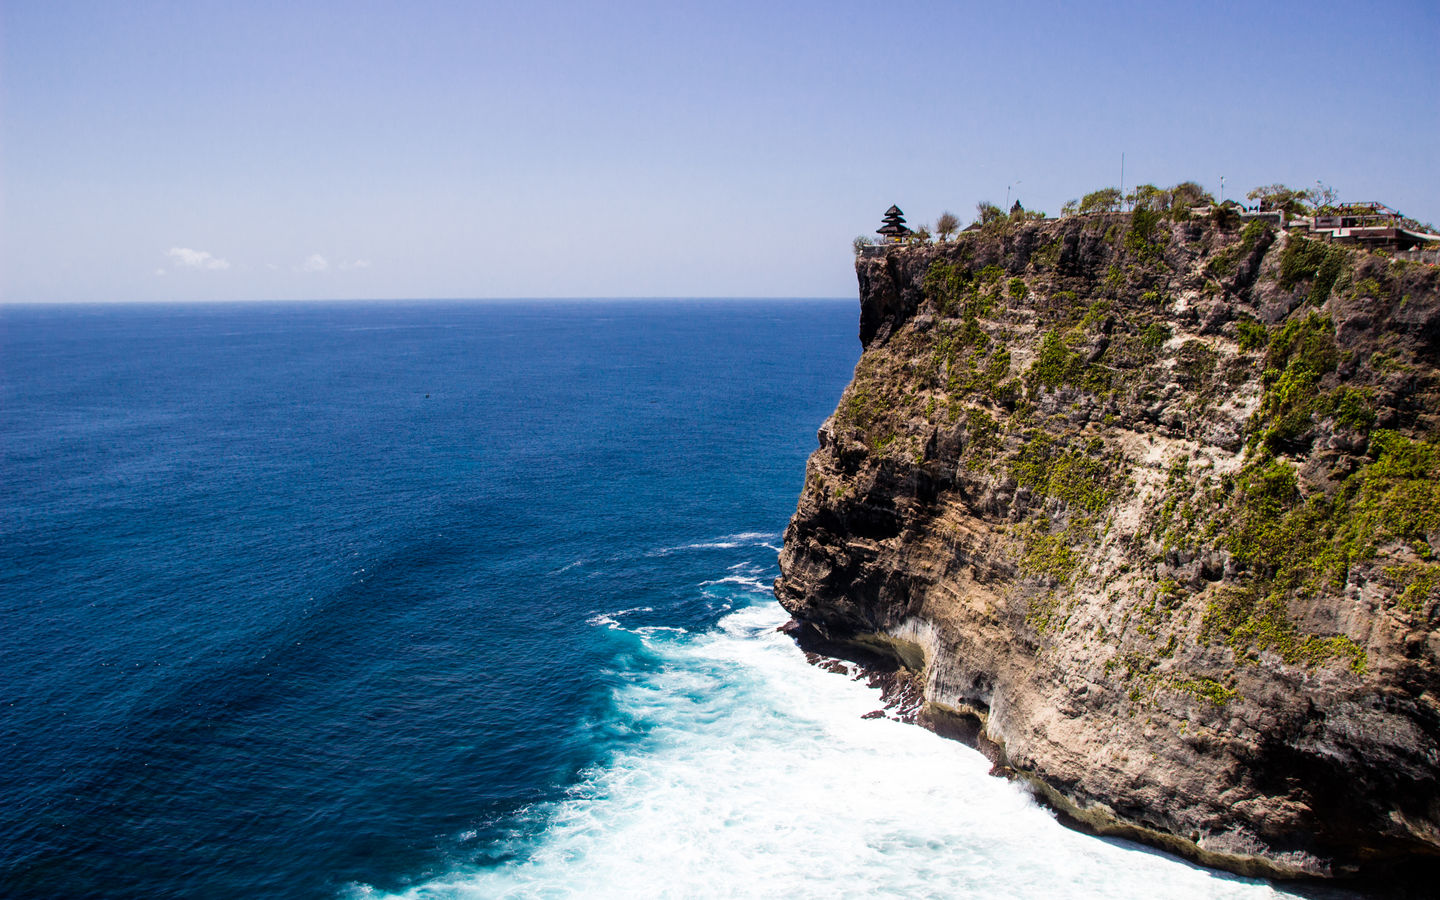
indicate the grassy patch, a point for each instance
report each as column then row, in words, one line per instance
column 1048, row 613
column 982, row 434
column 1314, row 261
column 1144, row 682
column 1155, row 335
column 966, row 361
column 1252, row 335
column 1302, row 543
column 1300, row 546
column 1414, row 584
column 1207, row 689
column 1051, row 553
column 956, row 293
column 1353, row 408
column 1244, row 619
column 1056, row 364
column 1078, row 478
column 1145, row 239
column 1299, row 356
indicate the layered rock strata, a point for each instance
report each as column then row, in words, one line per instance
column 1150, row 506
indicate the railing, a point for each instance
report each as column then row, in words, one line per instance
column 1265, row 215
column 1429, row 257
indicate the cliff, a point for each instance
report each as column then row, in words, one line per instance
column 1149, row 507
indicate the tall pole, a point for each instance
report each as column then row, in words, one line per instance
column 1122, row 178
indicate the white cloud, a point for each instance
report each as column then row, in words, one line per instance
column 159, row 271
column 185, row 258
column 315, row 263
column 357, row 264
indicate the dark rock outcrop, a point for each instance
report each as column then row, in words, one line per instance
column 1150, row 509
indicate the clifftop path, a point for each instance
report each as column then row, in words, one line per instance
column 1151, row 508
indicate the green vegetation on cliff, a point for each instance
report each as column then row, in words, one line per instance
column 1107, row 320
column 1164, row 488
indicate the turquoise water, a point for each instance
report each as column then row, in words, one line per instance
column 455, row 599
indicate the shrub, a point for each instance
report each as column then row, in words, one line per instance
column 1146, row 196
column 1296, row 543
column 1352, row 408
column 1142, row 239
column 1300, row 354
column 1252, row 233
column 946, row 225
column 1369, row 287
column 1225, row 215
column 1304, row 259
column 1053, row 363
column 986, row 212
column 1077, row 477
column 1278, row 196
column 1253, row 335
column 1101, row 201
column 1187, row 194
column 1155, row 336
column 1056, row 364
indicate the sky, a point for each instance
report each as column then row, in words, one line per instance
column 331, row 150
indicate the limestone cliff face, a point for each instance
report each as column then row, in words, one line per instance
column 1153, row 504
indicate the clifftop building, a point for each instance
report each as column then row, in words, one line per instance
column 894, row 230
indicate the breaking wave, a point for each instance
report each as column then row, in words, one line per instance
column 757, row 776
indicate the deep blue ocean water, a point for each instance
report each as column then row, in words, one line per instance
column 454, row 599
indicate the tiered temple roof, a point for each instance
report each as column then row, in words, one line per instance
column 894, row 228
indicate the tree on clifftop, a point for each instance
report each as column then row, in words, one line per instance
column 986, row 212
column 946, row 225
column 1101, row 201
column 1147, row 196
column 1187, row 194
column 1287, row 200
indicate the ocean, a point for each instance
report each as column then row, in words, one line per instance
column 456, row 599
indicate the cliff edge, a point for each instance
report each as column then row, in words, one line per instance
column 1150, row 506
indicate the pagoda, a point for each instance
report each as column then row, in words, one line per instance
column 894, row 230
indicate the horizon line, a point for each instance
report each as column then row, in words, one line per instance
column 566, row 299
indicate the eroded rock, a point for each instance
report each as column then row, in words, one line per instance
column 1154, row 527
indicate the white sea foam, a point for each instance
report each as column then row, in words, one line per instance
column 612, row 619
column 724, row 542
column 753, row 536
column 757, row 777
column 749, row 582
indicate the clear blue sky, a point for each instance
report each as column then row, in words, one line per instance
column 220, row 150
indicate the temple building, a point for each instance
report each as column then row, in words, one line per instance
column 894, row 230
